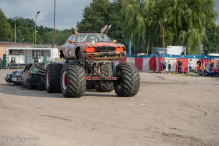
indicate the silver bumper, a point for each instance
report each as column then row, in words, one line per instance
column 14, row 79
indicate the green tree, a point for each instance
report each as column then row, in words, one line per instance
column 5, row 28
column 195, row 16
column 19, row 36
column 212, row 45
column 26, row 28
column 179, row 22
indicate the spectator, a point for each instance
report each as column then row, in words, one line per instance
column 198, row 69
column 206, row 72
column 215, row 71
column 180, row 66
column 190, row 65
column 169, row 66
column 208, row 65
column 212, row 64
column 199, row 63
column 217, row 66
column 164, row 65
column 202, row 70
column 211, row 71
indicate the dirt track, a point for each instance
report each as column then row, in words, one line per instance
column 168, row 110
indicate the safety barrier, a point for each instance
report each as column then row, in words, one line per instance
column 153, row 62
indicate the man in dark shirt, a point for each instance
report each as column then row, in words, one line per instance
column 180, row 66
column 199, row 63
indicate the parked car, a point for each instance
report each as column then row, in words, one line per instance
column 14, row 77
column 17, row 76
column 34, row 76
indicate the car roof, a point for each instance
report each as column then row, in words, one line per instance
column 87, row 32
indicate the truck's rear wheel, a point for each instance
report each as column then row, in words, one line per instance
column 105, row 86
column 128, row 83
column 41, row 86
column 90, row 85
column 73, row 80
column 52, row 78
column 29, row 87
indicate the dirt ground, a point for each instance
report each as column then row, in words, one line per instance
column 168, row 110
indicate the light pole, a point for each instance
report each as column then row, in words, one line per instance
column 33, row 36
column 15, row 31
column 54, row 22
column 35, row 25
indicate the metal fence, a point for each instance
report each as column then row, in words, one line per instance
column 28, row 46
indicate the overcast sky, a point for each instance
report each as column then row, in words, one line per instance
column 68, row 12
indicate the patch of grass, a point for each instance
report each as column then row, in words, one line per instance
column 189, row 73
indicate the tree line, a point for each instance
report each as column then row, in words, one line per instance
column 148, row 23
column 25, row 31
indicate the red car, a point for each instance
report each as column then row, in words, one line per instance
column 92, row 46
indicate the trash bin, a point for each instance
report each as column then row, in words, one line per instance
column 4, row 66
column 0, row 63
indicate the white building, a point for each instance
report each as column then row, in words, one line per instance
column 20, row 56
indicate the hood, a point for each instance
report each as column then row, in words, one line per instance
column 19, row 72
column 99, row 44
column 9, row 73
column 104, row 44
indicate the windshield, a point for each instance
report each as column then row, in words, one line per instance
column 86, row 37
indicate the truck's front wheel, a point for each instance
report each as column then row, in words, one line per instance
column 73, row 80
column 128, row 83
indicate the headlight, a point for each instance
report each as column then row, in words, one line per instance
column 8, row 76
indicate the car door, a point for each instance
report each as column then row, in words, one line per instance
column 67, row 47
column 71, row 47
column 26, row 73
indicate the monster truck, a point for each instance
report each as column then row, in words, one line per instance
column 90, row 58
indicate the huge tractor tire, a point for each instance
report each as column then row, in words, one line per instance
column 128, row 83
column 52, row 78
column 105, row 86
column 73, row 80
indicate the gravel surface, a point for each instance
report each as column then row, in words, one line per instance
column 168, row 110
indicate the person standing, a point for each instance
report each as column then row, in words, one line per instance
column 199, row 63
column 212, row 64
column 215, row 71
column 190, row 64
column 169, row 67
column 208, row 66
column 211, row 71
column 180, row 66
column 164, row 65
